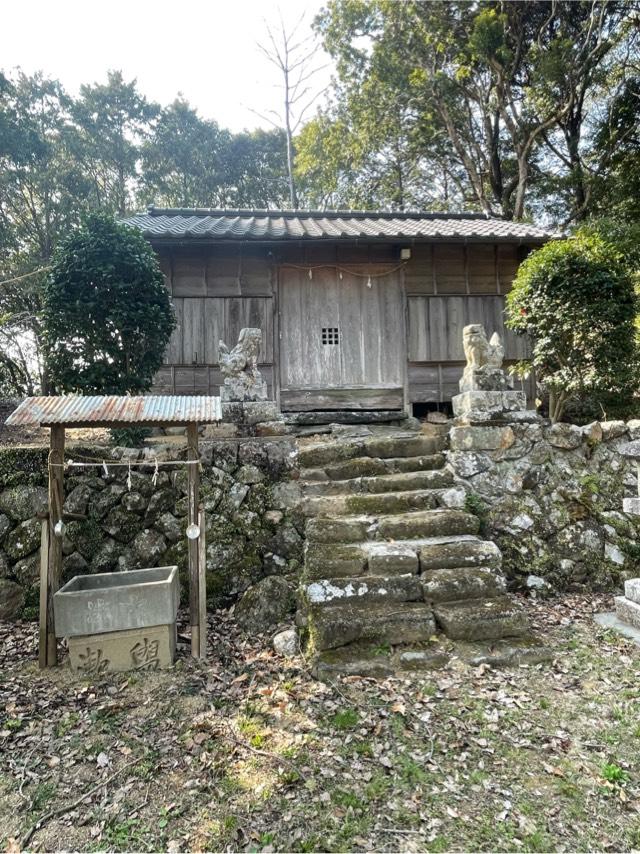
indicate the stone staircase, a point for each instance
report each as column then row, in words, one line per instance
column 389, row 563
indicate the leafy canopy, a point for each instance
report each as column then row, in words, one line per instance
column 576, row 301
column 107, row 314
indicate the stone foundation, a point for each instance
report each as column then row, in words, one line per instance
column 551, row 496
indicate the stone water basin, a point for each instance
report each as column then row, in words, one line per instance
column 119, row 620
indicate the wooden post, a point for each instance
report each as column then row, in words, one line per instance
column 48, row 653
column 194, row 552
column 202, row 584
column 44, row 589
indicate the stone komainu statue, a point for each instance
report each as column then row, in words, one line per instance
column 244, row 356
column 478, row 351
column 483, row 370
column 243, row 381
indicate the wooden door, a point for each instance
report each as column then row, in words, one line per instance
column 340, row 333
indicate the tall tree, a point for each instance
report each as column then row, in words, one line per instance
column 492, row 80
column 184, row 159
column 112, row 118
column 256, row 170
column 42, row 191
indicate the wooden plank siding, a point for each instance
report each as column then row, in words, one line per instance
column 370, row 353
column 441, row 302
column 403, row 331
column 216, row 291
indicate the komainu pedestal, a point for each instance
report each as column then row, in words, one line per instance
column 485, row 389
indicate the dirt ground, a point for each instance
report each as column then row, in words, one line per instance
column 249, row 753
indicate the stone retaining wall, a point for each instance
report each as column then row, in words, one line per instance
column 253, row 528
column 551, row 498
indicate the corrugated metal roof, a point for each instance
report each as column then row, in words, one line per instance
column 105, row 409
column 258, row 225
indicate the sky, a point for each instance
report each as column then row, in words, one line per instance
column 205, row 49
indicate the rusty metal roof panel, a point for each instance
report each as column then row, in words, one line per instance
column 274, row 225
column 71, row 410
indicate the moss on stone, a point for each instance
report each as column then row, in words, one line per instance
column 20, row 466
column 86, row 535
column 31, row 607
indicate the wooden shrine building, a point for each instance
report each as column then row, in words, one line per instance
column 358, row 310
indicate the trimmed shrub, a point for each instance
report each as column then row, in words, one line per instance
column 576, row 301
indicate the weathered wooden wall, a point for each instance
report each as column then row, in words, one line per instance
column 447, row 287
column 404, row 331
column 216, row 292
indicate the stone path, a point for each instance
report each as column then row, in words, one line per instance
column 392, row 558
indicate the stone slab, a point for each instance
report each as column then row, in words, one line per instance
column 391, row 557
column 481, row 438
column 115, row 601
column 402, row 446
column 151, row 648
column 325, row 530
column 627, row 611
column 452, row 554
column 429, row 523
column 632, row 590
column 365, row 589
column 323, row 560
column 334, row 627
column 488, row 401
column 610, row 620
column 631, row 506
column 473, row 582
column 482, row 619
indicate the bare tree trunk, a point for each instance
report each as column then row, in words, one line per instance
column 293, row 195
column 293, row 57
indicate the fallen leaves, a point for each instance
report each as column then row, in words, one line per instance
column 248, row 753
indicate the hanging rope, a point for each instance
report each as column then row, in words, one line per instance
column 345, row 270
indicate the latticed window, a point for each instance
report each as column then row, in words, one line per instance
column 330, row 335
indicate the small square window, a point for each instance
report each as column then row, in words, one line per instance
column 330, row 335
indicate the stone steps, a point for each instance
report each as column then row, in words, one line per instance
column 461, row 583
column 409, row 622
column 376, row 556
column 363, row 589
column 397, row 482
column 379, row 662
column 399, row 526
column 372, row 467
column 372, row 503
column 325, row 454
column 387, row 566
column 484, row 619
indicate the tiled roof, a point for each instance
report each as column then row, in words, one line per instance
column 273, row 225
column 77, row 409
